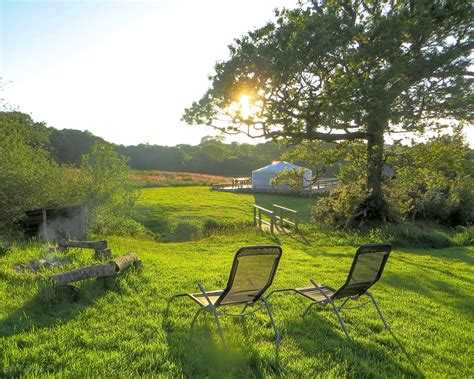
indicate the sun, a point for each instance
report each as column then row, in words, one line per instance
column 246, row 107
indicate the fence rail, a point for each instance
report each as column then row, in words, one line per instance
column 278, row 211
column 218, row 186
column 258, row 220
column 276, row 216
column 325, row 183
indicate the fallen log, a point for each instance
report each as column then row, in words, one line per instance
column 126, row 260
column 96, row 245
column 100, row 247
column 110, row 268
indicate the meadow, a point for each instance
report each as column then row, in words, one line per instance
column 128, row 329
column 157, row 178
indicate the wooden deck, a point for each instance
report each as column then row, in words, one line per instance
column 322, row 185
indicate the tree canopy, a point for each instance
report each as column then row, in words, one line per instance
column 334, row 70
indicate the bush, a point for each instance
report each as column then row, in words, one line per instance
column 29, row 179
column 109, row 194
column 186, row 231
column 340, row 205
column 410, row 235
column 464, row 237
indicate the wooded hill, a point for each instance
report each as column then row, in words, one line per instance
column 211, row 156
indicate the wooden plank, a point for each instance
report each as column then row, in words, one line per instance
column 285, row 209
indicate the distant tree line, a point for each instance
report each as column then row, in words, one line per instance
column 211, row 156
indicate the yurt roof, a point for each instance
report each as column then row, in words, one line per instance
column 278, row 166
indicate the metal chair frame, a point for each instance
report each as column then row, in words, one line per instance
column 213, row 307
column 337, row 294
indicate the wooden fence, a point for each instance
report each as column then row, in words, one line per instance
column 281, row 216
column 325, row 183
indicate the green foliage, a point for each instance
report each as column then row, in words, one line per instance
column 434, row 181
column 211, row 156
column 29, row 178
column 343, row 71
column 465, row 237
column 186, row 231
column 69, row 145
column 418, row 236
column 339, row 208
column 34, row 134
column 109, row 194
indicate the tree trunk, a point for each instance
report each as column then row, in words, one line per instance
column 375, row 204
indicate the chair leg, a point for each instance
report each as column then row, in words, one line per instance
column 387, row 327
column 339, row 318
column 195, row 317
column 216, row 316
column 307, row 309
column 277, row 333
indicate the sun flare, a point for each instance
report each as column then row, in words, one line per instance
column 246, row 106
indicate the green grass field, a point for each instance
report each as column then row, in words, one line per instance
column 161, row 208
column 127, row 330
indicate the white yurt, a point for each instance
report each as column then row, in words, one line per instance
column 262, row 178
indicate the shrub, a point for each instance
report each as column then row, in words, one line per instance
column 411, row 235
column 465, row 237
column 29, row 179
column 340, row 205
column 109, row 194
column 186, row 231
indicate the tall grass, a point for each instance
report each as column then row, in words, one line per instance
column 155, row 178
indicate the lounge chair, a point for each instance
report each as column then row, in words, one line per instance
column 252, row 273
column 366, row 269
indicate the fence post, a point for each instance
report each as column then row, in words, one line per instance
column 45, row 228
column 296, row 222
column 259, row 218
column 272, row 221
column 254, row 216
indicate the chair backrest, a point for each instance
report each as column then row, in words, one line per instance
column 252, row 273
column 367, row 267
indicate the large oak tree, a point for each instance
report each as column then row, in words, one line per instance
column 339, row 70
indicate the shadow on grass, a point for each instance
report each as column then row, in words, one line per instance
column 319, row 339
column 199, row 353
column 460, row 253
column 438, row 290
column 50, row 307
column 321, row 349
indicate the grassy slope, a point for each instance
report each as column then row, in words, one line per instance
column 426, row 295
column 162, row 207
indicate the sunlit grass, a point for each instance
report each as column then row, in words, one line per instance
column 161, row 208
column 426, row 295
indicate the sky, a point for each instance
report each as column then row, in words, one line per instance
column 124, row 70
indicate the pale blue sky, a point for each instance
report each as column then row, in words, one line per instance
column 123, row 69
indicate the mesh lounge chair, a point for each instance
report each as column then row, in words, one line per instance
column 252, row 273
column 367, row 267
